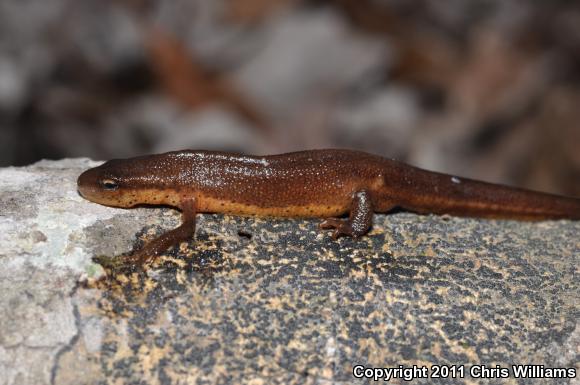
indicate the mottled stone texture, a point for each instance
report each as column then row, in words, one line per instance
column 265, row 301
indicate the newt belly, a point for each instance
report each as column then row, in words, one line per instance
column 318, row 183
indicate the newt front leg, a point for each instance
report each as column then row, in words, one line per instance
column 174, row 237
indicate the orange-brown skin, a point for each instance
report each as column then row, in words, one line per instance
column 318, row 183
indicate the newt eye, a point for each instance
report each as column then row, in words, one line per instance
column 109, row 184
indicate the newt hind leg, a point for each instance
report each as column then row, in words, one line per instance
column 359, row 221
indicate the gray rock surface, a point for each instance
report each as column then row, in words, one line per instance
column 263, row 301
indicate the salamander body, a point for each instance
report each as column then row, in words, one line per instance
column 317, row 183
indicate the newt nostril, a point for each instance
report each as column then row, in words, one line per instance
column 244, row 234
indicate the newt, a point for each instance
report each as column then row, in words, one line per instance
column 317, row 183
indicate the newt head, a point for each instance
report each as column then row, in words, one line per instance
column 127, row 183
column 105, row 185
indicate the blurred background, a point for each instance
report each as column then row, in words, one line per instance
column 488, row 89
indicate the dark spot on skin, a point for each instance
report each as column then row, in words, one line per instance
column 244, row 234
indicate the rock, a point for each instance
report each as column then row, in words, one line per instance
column 262, row 300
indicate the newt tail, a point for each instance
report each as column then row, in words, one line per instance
column 318, row 183
column 438, row 193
